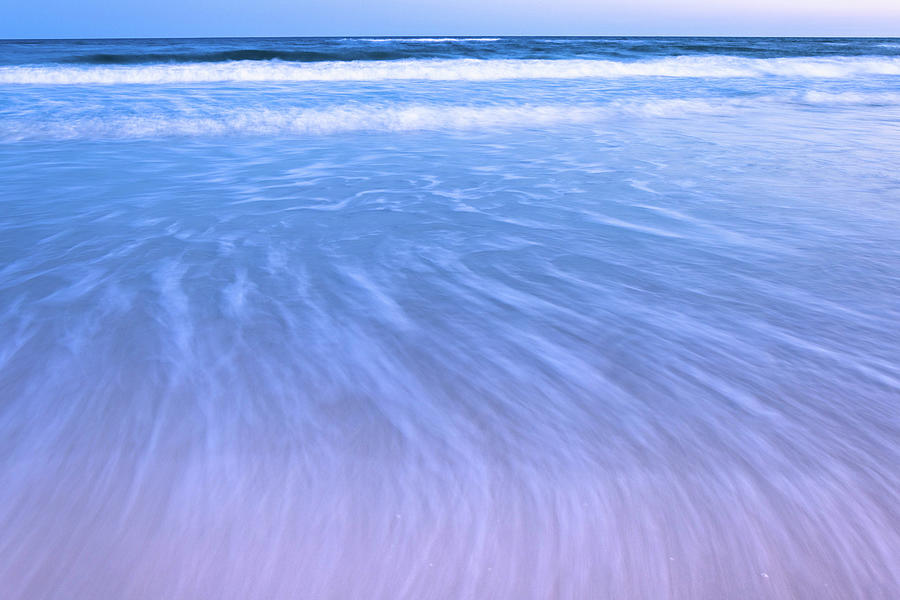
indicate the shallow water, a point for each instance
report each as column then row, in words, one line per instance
column 494, row 318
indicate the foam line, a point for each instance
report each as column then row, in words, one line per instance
column 450, row 70
column 348, row 118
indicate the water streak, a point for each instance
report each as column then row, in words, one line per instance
column 450, row 318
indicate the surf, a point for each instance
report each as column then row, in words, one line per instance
column 708, row 67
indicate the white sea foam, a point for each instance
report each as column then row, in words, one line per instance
column 852, row 98
column 308, row 121
column 352, row 118
column 451, row 70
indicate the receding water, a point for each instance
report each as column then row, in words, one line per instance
column 420, row 318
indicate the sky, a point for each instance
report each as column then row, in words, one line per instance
column 211, row 18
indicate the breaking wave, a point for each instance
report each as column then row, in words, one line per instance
column 350, row 118
column 852, row 98
column 450, row 70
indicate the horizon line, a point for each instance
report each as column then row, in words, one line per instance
column 438, row 36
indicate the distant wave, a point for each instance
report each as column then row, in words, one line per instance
column 234, row 55
column 431, row 39
column 349, row 118
column 451, row 70
column 323, row 53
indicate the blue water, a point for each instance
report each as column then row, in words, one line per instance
column 450, row 318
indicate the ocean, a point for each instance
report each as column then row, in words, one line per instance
column 505, row 318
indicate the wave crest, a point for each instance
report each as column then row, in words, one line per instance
column 351, row 118
column 449, row 70
column 852, row 98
